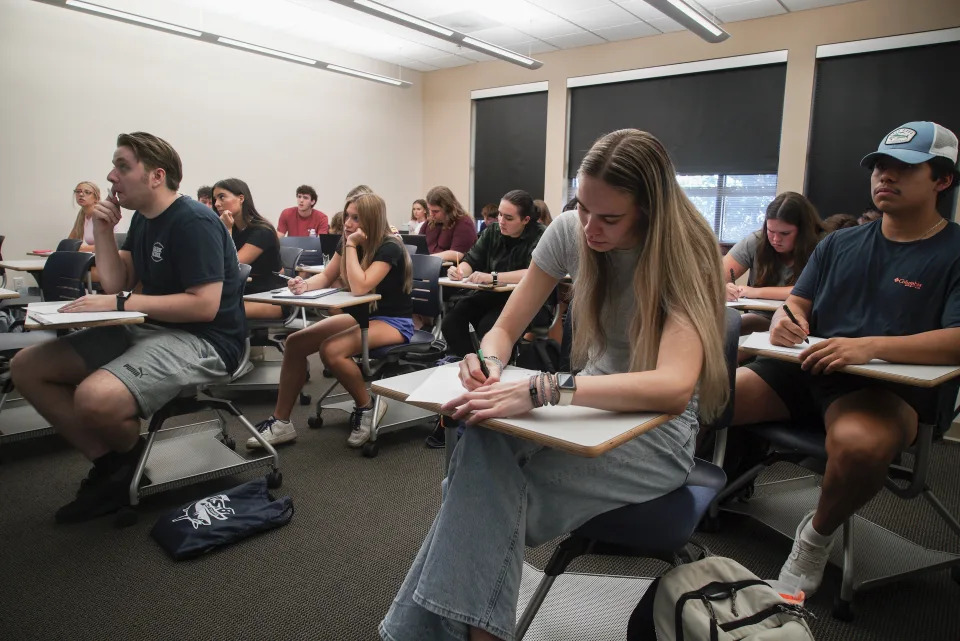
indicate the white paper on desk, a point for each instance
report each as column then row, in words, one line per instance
column 444, row 384
column 761, row 340
column 756, row 302
column 313, row 293
column 48, row 313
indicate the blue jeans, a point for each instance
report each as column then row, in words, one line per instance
column 503, row 492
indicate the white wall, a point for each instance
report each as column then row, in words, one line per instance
column 70, row 82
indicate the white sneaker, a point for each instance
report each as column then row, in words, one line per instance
column 364, row 423
column 806, row 563
column 274, row 432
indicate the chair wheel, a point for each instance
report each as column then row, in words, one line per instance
column 274, row 479
column 955, row 573
column 842, row 610
column 230, row 442
column 305, row 399
column 315, row 422
column 371, row 449
column 126, row 517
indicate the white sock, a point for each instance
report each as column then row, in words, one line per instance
column 279, row 420
column 810, row 535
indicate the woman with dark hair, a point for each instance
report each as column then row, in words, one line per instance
column 775, row 255
column 500, row 257
column 450, row 230
column 256, row 242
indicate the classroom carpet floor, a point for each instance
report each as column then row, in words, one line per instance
column 333, row 571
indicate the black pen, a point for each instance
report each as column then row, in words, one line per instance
column 795, row 321
column 284, row 276
column 476, row 347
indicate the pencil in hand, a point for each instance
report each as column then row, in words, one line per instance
column 795, row 321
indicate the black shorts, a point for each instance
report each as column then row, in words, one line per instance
column 807, row 396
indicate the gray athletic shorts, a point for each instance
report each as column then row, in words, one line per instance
column 154, row 362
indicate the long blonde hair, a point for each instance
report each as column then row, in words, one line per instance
column 372, row 211
column 677, row 274
column 77, row 231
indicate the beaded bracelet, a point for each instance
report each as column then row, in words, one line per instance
column 554, row 389
column 534, row 400
column 496, row 361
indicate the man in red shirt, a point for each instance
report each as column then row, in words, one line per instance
column 299, row 220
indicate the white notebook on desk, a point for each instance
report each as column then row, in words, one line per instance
column 921, row 374
column 581, row 427
column 49, row 313
column 313, row 293
column 756, row 302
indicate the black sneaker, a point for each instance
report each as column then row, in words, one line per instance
column 106, row 488
column 438, row 438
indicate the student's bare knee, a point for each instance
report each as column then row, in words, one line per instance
column 867, row 429
column 52, row 362
column 101, row 399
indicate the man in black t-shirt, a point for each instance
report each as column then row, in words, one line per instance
column 890, row 290
column 94, row 385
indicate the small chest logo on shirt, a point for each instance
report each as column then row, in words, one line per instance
column 908, row 283
column 157, row 253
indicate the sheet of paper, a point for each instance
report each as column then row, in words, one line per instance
column 755, row 302
column 314, row 293
column 47, row 313
column 444, row 384
column 761, row 340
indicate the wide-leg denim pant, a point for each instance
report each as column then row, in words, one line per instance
column 503, row 492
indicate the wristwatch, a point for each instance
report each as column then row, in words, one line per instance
column 567, row 383
column 494, row 274
column 122, row 299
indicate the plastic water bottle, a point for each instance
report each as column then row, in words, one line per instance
column 312, row 232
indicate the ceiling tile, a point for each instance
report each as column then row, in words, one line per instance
column 574, row 40
column 802, row 5
column 640, row 9
column 601, row 17
column 538, row 46
column 503, row 36
column 637, row 29
column 562, row 7
column 664, row 24
column 749, row 10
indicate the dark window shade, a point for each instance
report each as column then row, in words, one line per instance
column 718, row 122
column 859, row 99
column 510, row 147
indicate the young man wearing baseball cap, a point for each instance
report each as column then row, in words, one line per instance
column 889, row 289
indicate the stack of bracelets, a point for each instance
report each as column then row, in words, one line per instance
column 544, row 390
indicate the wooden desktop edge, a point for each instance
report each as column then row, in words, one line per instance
column 861, row 371
column 313, row 302
column 132, row 320
column 460, row 284
column 501, row 425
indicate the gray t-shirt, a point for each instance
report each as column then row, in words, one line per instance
column 745, row 253
column 557, row 255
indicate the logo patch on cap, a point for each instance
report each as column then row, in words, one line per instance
column 900, row 136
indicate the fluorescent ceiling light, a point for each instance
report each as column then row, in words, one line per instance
column 404, row 17
column 439, row 31
column 270, row 52
column 691, row 18
column 364, row 74
column 86, row 6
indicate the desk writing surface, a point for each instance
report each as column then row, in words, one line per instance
column 758, row 304
column 45, row 316
column 463, row 284
column 916, row 375
column 579, row 430
column 24, row 265
column 340, row 300
column 8, row 293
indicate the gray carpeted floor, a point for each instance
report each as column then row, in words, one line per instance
column 332, row 572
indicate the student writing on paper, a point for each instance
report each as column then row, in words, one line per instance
column 636, row 238
column 500, row 256
column 889, row 289
column 775, row 255
column 255, row 240
column 450, row 230
column 369, row 260
column 95, row 385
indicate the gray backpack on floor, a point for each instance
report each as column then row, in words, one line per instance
column 716, row 599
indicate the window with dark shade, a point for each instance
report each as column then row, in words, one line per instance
column 858, row 99
column 721, row 129
column 510, row 147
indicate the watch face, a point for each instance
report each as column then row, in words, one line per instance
column 566, row 381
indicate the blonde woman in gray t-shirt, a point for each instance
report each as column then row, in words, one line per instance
column 648, row 334
column 775, row 254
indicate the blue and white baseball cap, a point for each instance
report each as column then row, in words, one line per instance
column 916, row 142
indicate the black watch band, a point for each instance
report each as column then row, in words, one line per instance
column 122, row 300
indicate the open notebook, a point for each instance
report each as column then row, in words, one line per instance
column 918, row 375
column 48, row 313
column 283, row 292
column 580, row 430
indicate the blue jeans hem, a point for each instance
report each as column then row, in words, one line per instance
column 472, row 621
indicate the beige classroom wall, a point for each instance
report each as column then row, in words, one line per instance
column 446, row 93
column 71, row 82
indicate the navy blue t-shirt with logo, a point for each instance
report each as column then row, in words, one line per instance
column 183, row 247
column 863, row 284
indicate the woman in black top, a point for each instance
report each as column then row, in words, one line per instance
column 256, row 242
column 369, row 259
column 500, row 257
